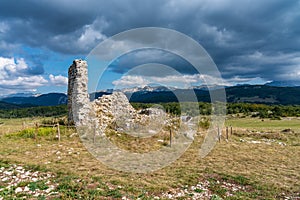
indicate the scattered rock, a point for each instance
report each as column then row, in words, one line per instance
column 201, row 190
column 264, row 141
column 13, row 175
column 18, row 190
column 26, row 189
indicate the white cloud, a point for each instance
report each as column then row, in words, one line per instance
column 58, row 80
column 129, row 81
column 3, row 27
column 184, row 81
column 10, row 67
column 82, row 39
column 180, row 81
column 90, row 36
column 13, row 76
column 23, row 82
column 246, row 80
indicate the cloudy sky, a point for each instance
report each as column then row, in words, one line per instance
column 251, row 41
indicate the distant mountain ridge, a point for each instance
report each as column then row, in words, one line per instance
column 27, row 94
column 264, row 94
column 5, row 105
column 243, row 93
column 51, row 99
column 284, row 83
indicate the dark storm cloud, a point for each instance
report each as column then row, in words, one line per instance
column 246, row 39
column 53, row 17
column 140, row 57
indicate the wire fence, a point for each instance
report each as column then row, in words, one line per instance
column 222, row 134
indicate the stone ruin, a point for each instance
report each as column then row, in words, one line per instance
column 114, row 113
column 109, row 110
column 78, row 98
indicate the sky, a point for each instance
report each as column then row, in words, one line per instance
column 250, row 41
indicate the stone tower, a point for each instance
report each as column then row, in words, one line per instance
column 78, row 97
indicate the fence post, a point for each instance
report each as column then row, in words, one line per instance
column 58, row 131
column 170, row 137
column 219, row 134
column 36, row 131
column 230, row 130
column 226, row 132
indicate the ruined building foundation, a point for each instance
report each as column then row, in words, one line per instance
column 108, row 109
column 114, row 113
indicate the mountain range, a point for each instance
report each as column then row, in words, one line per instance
column 284, row 83
column 266, row 94
column 244, row 93
column 20, row 100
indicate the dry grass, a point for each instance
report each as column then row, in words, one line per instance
column 271, row 168
column 139, row 145
column 14, row 125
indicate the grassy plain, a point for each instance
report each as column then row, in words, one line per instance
column 263, row 156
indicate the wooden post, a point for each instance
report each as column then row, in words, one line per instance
column 36, row 130
column 58, row 131
column 65, row 132
column 219, row 135
column 170, row 137
column 226, row 132
column 230, row 130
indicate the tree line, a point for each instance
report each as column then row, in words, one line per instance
column 40, row 111
column 246, row 109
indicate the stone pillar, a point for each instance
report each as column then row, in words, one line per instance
column 78, row 97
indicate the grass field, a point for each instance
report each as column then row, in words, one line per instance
column 261, row 157
column 14, row 125
column 265, row 124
